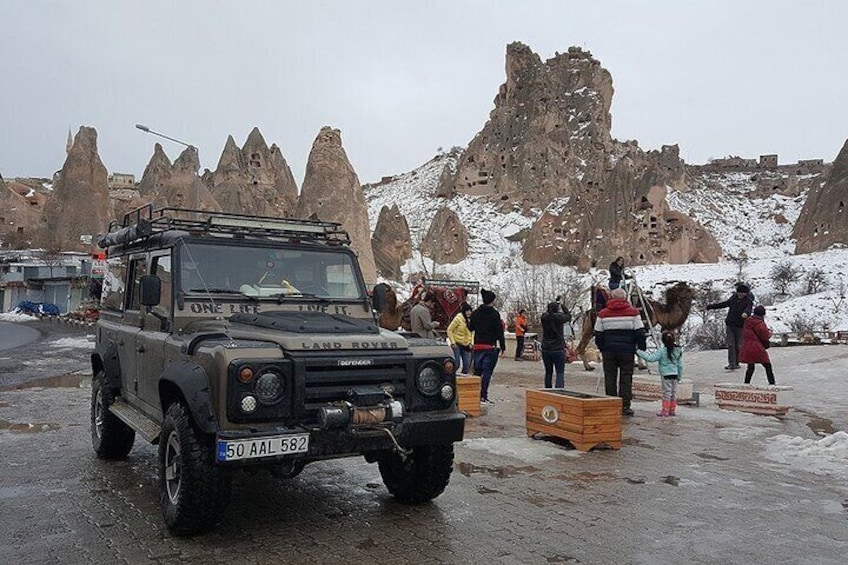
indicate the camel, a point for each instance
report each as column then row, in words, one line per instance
column 669, row 316
column 391, row 316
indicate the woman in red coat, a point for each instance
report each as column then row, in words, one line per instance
column 755, row 338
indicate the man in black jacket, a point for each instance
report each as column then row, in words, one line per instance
column 553, row 343
column 488, row 331
column 738, row 308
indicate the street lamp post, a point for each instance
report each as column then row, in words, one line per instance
column 146, row 129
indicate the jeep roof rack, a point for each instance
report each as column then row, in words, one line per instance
column 148, row 220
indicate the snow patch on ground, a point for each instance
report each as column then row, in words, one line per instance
column 13, row 317
column 824, row 456
column 523, row 449
column 74, row 342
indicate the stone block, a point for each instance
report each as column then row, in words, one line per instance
column 772, row 400
column 649, row 387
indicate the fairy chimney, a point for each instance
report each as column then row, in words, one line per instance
column 446, row 242
column 255, row 179
column 176, row 185
column 391, row 243
column 331, row 192
column 79, row 203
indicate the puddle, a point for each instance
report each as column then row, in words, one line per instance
column 671, row 480
column 485, row 490
column 711, row 457
column 28, row 428
column 70, row 380
column 505, row 472
column 562, row 559
column 587, row 476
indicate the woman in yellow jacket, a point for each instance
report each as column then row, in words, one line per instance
column 461, row 337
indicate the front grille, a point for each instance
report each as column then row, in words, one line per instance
column 326, row 381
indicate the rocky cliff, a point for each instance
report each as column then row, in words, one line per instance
column 21, row 218
column 79, row 203
column 331, row 192
column 255, row 179
column 548, row 146
column 824, row 219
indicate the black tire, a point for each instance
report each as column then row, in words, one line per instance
column 110, row 437
column 423, row 476
column 194, row 491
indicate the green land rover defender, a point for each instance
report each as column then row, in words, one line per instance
column 233, row 340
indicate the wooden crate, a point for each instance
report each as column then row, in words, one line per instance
column 468, row 394
column 585, row 420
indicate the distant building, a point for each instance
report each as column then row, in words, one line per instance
column 63, row 281
column 811, row 162
column 768, row 161
column 119, row 181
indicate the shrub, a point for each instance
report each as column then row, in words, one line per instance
column 710, row 335
column 783, row 275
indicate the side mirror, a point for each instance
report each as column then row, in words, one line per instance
column 378, row 297
column 150, row 289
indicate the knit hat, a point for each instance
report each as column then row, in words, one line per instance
column 487, row 295
column 742, row 288
column 760, row 310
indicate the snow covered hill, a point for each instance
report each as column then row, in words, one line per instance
column 759, row 227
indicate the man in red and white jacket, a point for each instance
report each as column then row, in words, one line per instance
column 619, row 331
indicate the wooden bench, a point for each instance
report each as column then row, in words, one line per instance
column 585, row 420
column 772, row 400
column 468, row 394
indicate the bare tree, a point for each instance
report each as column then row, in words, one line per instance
column 783, row 275
column 741, row 261
column 815, row 281
column 52, row 258
column 706, row 294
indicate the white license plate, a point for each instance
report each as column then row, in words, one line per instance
column 233, row 450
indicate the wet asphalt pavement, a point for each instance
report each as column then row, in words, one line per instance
column 696, row 489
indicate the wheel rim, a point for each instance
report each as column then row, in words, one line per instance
column 173, row 465
column 98, row 414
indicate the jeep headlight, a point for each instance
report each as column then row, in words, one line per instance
column 428, row 380
column 268, row 387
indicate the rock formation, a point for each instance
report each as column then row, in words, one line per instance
column 824, row 219
column 446, row 241
column 21, row 217
column 331, row 192
column 548, row 145
column 176, row 184
column 391, row 243
column 255, row 179
column 79, row 203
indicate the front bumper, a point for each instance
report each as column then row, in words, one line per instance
column 426, row 428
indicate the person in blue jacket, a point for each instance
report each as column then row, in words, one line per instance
column 670, row 360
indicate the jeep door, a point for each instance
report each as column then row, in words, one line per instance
column 127, row 338
column 150, row 340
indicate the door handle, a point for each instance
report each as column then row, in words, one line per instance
column 139, row 348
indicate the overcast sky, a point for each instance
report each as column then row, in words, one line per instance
column 401, row 79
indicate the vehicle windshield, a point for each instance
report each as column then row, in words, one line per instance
column 260, row 272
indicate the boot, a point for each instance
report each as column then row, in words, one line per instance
column 672, row 406
column 664, row 412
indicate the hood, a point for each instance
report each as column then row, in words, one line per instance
column 316, row 331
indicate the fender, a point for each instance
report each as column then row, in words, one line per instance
column 191, row 380
column 108, row 354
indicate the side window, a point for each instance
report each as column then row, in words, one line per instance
column 138, row 268
column 162, row 269
column 114, row 277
